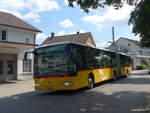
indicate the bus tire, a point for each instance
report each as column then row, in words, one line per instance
column 90, row 82
column 114, row 75
column 127, row 73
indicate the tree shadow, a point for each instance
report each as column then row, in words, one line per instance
column 137, row 81
column 80, row 101
column 7, row 82
column 136, row 78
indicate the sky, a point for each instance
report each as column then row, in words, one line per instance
column 55, row 16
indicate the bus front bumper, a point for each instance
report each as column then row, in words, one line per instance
column 53, row 85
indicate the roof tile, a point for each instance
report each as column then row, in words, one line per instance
column 7, row 19
column 78, row 38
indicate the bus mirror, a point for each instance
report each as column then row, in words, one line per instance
column 25, row 55
column 34, row 53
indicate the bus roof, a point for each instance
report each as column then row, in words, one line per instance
column 47, row 45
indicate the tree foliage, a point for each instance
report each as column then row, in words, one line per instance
column 139, row 17
column 94, row 4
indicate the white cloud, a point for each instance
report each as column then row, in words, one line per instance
column 80, row 31
column 108, row 17
column 12, row 5
column 34, row 7
column 61, row 33
column 40, row 38
column 66, row 2
column 31, row 15
column 37, row 20
column 102, row 44
column 67, row 23
column 74, row 32
column 42, row 5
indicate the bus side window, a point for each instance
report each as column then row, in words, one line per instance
column 97, row 59
column 72, row 61
column 105, row 60
column 113, row 59
column 79, row 59
column 89, row 56
column 98, row 55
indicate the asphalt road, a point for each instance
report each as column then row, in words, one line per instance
column 127, row 95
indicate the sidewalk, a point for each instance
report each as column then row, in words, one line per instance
column 14, row 87
column 140, row 72
column 25, row 77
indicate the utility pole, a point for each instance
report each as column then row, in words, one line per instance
column 113, row 35
column 116, row 50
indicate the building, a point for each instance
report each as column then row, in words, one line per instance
column 16, row 37
column 132, row 48
column 83, row 38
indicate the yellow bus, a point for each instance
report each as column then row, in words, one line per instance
column 70, row 66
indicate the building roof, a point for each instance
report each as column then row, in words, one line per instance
column 78, row 38
column 67, row 42
column 7, row 19
column 134, row 41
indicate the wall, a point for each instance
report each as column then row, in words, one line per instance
column 21, row 74
column 123, row 45
column 19, row 35
column 145, row 51
column 133, row 48
column 89, row 42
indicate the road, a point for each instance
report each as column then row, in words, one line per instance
column 127, row 95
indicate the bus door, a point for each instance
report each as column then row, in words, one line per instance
column 118, row 64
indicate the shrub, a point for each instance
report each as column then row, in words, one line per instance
column 144, row 63
column 140, row 67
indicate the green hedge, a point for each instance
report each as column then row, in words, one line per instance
column 141, row 67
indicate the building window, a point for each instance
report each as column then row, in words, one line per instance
column 1, row 67
column 27, row 65
column 3, row 35
column 27, row 40
column 140, row 52
column 129, row 44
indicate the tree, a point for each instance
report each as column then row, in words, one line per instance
column 139, row 17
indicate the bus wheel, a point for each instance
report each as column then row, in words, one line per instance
column 127, row 73
column 90, row 82
column 114, row 75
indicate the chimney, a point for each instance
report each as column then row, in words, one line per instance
column 52, row 34
column 78, row 32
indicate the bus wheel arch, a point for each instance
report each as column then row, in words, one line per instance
column 91, row 81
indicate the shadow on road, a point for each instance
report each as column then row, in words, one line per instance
column 135, row 80
column 7, row 82
column 80, row 101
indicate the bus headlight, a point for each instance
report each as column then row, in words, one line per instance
column 67, row 83
column 36, row 85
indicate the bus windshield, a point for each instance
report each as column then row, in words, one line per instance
column 51, row 61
